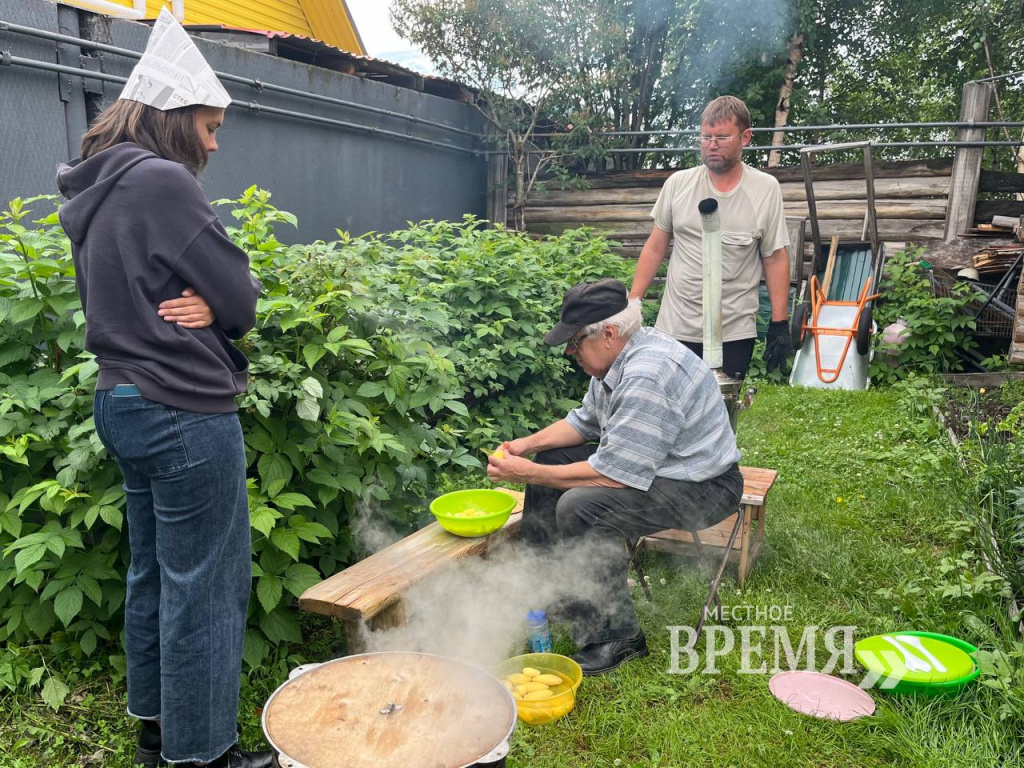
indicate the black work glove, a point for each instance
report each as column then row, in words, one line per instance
column 777, row 346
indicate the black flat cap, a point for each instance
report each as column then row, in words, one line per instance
column 587, row 303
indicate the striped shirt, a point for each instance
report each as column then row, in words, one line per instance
column 657, row 413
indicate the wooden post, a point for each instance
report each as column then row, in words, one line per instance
column 497, row 188
column 963, row 192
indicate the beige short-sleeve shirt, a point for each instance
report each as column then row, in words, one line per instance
column 753, row 227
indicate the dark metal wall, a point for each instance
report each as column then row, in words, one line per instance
column 32, row 129
column 330, row 177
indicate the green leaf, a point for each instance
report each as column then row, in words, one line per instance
column 87, row 642
column 260, row 440
column 458, row 407
column 280, row 626
column 68, row 604
column 312, row 354
column 307, row 409
column 29, row 557
column 287, row 541
column 311, row 532
column 291, row 501
column 112, row 516
column 323, row 477
column 370, row 389
column 25, row 309
column 55, row 692
column 301, row 577
column 90, row 588
column 263, row 519
column 275, row 472
column 254, row 649
column 269, row 591
column 312, row 387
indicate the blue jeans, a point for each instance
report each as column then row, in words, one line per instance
column 190, row 574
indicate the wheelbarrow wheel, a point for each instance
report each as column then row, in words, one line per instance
column 864, row 332
column 797, row 327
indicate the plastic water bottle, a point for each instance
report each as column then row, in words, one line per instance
column 537, row 632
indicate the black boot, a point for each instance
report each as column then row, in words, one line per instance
column 598, row 658
column 236, row 758
column 147, row 754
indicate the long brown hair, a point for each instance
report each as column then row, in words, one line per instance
column 169, row 134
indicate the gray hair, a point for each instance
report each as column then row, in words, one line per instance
column 628, row 321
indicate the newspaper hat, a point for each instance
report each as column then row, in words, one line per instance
column 172, row 73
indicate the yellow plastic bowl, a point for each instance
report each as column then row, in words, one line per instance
column 495, row 506
column 541, row 712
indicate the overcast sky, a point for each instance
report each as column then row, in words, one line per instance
column 381, row 41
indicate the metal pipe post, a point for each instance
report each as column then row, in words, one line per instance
column 711, row 225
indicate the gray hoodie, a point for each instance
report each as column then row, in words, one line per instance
column 141, row 232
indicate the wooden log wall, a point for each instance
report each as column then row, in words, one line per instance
column 910, row 199
column 1017, row 345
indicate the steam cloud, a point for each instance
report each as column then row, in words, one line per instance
column 475, row 610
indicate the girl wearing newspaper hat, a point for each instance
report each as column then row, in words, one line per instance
column 165, row 291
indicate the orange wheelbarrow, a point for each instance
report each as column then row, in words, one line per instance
column 835, row 326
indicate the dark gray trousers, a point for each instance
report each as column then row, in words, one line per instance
column 593, row 523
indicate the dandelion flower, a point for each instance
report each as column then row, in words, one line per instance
column 839, row 500
column 981, row 391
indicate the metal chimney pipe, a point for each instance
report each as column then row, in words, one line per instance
column 711, row 224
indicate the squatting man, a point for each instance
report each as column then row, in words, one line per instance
column 649, row 448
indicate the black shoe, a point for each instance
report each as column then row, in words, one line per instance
column 598, row 658
column 236, row 758
column 147, row 754
column 148, row 758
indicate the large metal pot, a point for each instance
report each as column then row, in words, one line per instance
column 390, row 710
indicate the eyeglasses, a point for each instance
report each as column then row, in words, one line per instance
column 573, row 344
column 721, row 141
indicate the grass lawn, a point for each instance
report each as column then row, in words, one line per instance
column 863, row 514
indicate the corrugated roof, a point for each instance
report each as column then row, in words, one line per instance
column 316, row 52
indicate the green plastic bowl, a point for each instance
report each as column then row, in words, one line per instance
column 496, row 505
column 946, row 687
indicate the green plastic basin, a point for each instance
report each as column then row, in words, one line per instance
column 492, row 509
column 867, row 652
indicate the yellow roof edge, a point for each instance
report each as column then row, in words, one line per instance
column 332, row 23
column 355, row 29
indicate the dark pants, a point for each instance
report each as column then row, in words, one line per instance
column 599, row 520
column 735, row 355
column 190, row 574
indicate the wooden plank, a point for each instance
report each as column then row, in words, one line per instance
column 902, row 230
column 984, row 210
column 963, row 194
column 837, row 171
column 1017, row 352
column 1000, row 181
column 974, row 380
column 832, row 172
column 853, row 209
column 366, row 588
column 911, row 188
column 715, row 536
column 830, row 265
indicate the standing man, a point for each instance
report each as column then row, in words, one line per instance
column 754, row 241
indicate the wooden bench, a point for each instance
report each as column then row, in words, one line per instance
column 371, row 590
column 746, row 547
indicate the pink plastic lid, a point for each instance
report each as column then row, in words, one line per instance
column 819, row 695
